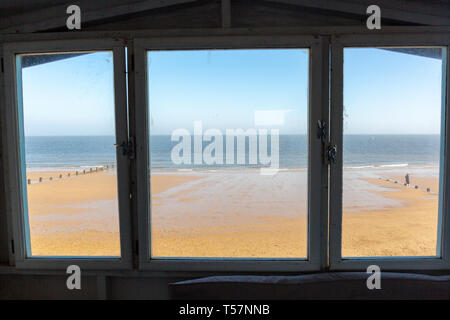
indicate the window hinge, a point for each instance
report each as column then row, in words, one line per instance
column 127, row 148
column 322, row 134
column 322, row 130
column 12, row 246
column 329, row 151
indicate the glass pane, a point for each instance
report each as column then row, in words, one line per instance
column 392, row 151
column 68, row 138
column 228, row 147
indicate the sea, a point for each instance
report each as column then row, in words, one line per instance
column 360, row 151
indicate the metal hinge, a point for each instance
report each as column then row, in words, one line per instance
column 127, row 148
column 12, row 246
column 322, row 130
column 329, row 151
column 3, row 66
column 136, row 247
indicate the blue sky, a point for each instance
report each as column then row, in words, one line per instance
column 391, row 93
column 70, row 97
column 224, row 88
column 384, row 92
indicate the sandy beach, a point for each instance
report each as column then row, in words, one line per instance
column 403, row 223
column 231, row 214
column 234, row 213
column 75, row 215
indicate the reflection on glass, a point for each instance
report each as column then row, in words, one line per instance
column 392, row 149
column 67, row 103
column 228, row 150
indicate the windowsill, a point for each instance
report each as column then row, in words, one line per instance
column 6, row 269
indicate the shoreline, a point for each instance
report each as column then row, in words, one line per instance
column 46, row 172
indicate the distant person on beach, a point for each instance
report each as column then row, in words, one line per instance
column 407, row 178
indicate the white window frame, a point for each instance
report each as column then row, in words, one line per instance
column 324, row 239
column 316, row 167
column 337, row 262
column 15, row 185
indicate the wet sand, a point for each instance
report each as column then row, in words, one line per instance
column 234, row 214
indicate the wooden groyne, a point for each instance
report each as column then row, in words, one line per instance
column 59, row 176
column 413, row 186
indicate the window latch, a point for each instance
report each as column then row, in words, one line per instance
column 331, row 154
column 127, row 148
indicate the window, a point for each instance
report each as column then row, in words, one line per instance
column 388, row 116
column 234, row 153
column 71, row 115
column 230, row 148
